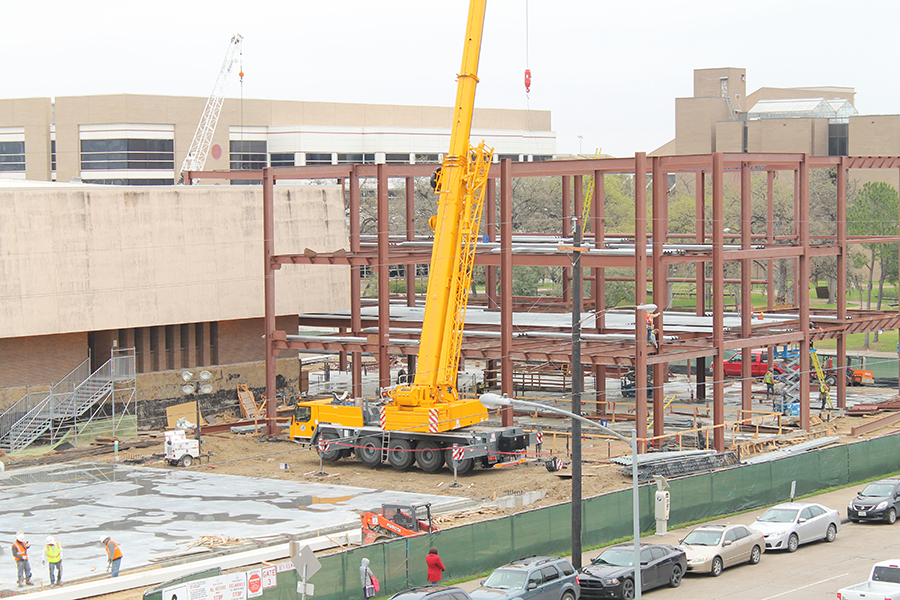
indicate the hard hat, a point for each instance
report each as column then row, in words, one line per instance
column 20, row 536
column 50, row 540
column 105, row 539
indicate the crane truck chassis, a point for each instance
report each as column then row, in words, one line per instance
column 357, row 431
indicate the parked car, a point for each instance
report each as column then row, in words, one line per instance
column 432, row 592
column 712, row 548
column 611, row 575
column 883, row 583
column 878, row 501
column 544, row 577
column 788, row 525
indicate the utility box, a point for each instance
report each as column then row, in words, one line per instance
column 180, row 450
column 661, row 510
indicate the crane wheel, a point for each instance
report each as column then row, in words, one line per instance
column 462, row 466
column 334, row 452
column 430, row 456
column 400, row 455
column 369, row 451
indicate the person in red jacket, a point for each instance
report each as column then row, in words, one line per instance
column 435, row 566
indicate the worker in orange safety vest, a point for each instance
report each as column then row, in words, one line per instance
column 113, row 556
column 20, row 554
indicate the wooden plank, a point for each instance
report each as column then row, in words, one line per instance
column 188, row 410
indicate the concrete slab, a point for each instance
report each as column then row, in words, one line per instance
column 148, row 511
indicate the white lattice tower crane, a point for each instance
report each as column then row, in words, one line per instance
column 196, row 156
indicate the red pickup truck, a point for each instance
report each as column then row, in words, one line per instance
column 758, row 366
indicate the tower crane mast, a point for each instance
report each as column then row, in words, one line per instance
column 196, row 156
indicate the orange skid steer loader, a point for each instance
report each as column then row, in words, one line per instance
column 396, row 520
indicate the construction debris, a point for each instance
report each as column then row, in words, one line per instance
column 215, row 541
column 680, row 466
column 488, row 509
column 794, row 449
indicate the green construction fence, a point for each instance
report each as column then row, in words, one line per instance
column 475, row 548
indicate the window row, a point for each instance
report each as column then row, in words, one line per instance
column 12, row 156
column 119, row 154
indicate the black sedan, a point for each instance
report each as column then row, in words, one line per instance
column 879, row 501
column 611, row 575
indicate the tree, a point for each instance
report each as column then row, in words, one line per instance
column 873, row 212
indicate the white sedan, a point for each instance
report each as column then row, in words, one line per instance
column 786, row 526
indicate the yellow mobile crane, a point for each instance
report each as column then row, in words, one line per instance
column 426, row 422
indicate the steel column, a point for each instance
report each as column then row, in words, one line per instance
column 410, row 267
column 718, row 299
column 269, row 292
column 746, row 299
column 660, row 293
column 700, row 272
column 841, row 288
column 801, row 284
column 355, row 287
column 506, row 303
column 640, row 295
column 384, row 281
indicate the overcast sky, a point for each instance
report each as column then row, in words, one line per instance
column 607, row 71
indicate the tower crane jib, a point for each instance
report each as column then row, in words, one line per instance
column 196, row 155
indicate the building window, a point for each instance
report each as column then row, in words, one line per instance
column 130, row 181
column 512, row 157
column 396, row 158
column 428, row 158
column 12, row 156
column 52, row 155
column 318, row 159
column 282, row 160
column 838, row 139
column 247, row 155
column 118, row 154
column 354, row 159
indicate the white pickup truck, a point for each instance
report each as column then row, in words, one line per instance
column 884, row 582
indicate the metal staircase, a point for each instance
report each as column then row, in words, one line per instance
column 79, row 394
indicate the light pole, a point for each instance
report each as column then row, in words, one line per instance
column 494, row 400
column 193, row 386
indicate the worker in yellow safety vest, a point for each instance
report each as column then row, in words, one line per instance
column 20, row 554
column 113, row 556
column 769, row 380
column 53, row 556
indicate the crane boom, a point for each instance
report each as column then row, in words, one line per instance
column 461, row 186
column 196, row 156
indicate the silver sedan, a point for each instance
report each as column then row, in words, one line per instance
column 786, row 526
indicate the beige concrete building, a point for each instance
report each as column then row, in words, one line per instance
column 820, row 121
column 142, row 140
column 175, row 272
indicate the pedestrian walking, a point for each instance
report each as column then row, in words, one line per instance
column 113, row 556
column 53, row 557
column 769, row 380
column 20, row 554
column 435, row 566
column 367, row 579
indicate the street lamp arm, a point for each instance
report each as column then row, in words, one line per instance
column 490, row 399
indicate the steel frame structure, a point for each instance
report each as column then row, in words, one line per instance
column 743, row 247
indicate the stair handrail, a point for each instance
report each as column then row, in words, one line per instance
column 14, row 413
column 30, row 417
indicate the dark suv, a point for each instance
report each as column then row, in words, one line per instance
column 432, row 592
column 544, row 577
column 879, row 501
